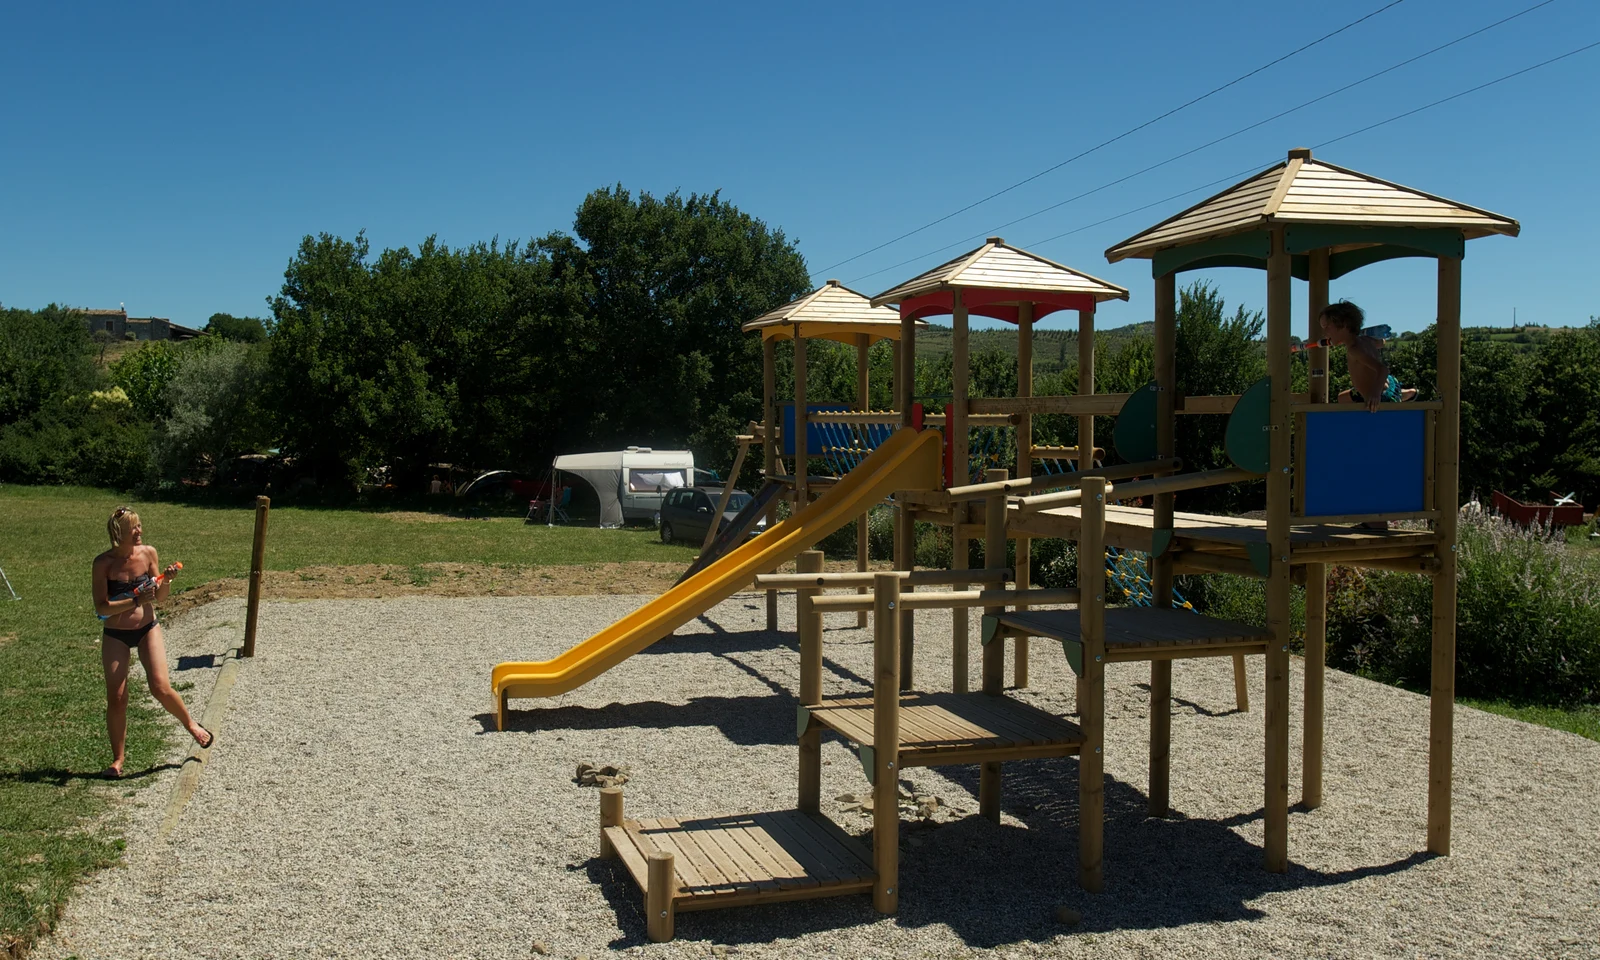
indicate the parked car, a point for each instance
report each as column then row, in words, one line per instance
column 686, row 514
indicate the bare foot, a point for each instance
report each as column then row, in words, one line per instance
column 205, row 738
column 113, row 772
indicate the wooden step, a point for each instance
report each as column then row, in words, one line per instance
column 746, row 858
column 1137, row 633
column 951, row 728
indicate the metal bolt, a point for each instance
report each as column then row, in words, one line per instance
column 888, row 889
column 663, row 913
column 1285, row 469
column 1097, row 750
column 891, row 762
column 1285, row 649
column 891, row 604
column 1098, row 658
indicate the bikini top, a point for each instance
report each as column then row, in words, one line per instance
column 116, row 587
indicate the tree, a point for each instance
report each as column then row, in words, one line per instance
column 44, row 354
column 214, row 412
column 237, row 329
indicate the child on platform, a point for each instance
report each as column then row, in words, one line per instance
column 1370, row 380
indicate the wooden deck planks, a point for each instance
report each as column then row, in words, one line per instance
column 747, row 858
column 1141, row 628
column 944, row 727
column 1132, row 527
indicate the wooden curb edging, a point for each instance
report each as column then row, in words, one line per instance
column 195, row 763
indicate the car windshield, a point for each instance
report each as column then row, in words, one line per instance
column 739, row 501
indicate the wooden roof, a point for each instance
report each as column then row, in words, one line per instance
column 999, row 266
column 830, row 312
column 1302, row 191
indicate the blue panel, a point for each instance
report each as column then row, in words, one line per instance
column 1361, row 463
column 817, row 434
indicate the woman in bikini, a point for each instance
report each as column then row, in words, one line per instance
column 126, row 590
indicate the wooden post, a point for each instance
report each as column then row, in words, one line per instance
column 258, row 555
column 610, row 816
column 863, row 403
column 809, row 623
column 1085, row 421
column 994, row 652
column 886, row 742
column 1092, row 691
column 958, row 450
column 905, row 530
column 801, row 415
column 662, row 885
column 769, row 411
column 1316, row 657
column 1166, row 330
column 727, row 494
column 1276, row 801
column 1447, row 499
column 1024, row 576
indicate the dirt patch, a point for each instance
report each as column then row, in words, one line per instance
column 6, row 638
column 415, row 516
column 641, row 577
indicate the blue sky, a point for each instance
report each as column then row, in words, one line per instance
column 171, row 157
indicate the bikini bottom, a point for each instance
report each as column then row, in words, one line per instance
column 130, row 638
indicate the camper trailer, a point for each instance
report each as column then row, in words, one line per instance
column 631, row 482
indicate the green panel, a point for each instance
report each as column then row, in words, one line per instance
column 1260, row 557
column 1240, row 249
column 1134, row 435
column 1160, row 542
column 1352, row 260
column 1247, row 439
column 802, row 720
column 1074, row 651
column 868, row 758
column 1420, row 241
column 991, row 623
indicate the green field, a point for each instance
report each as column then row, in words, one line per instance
column 52, row 706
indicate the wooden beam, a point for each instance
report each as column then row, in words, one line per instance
column 958, row 450
column 1092, row 688
column 1442, row 688
column 994, row 652
column 727, row 494
column 1045, row 481
column 1166, row 322
column 769, row 448
column 1276, row 713
column 801, row 438
column 1104, row 404
column 1024, row 549
column 948, row 599
column 905, row 532
column 919, row 578
column 1316, row 574
column 886, row 745
column 809, row 626
column 863, row 403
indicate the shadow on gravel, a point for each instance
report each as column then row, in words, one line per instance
column 1000, row 885
column 748, row 721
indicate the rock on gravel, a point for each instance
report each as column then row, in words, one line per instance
column 360, row 805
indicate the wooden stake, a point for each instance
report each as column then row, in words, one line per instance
column 662, row 886
column 1085, row 421
column 1447, row 498
column 886, row 743
column 1166, row 331
column 810, row 630
column 801, row 415
column 863, row 403
column 1316, row 655
column 1276, row 712
column 1241, row 685
column 258, row 556
column 959, row 450
column 727, row 494
column 1024, row 469
column 610, row 816
column 906, row 532
column 769, row 410
column 994, row 652
column 1092, row 691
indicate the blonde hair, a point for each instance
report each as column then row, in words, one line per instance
column 121, row 522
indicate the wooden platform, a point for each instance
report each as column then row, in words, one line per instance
column 1133, row 528
column 1141, row 633
column 952, row 728
column 746, row 858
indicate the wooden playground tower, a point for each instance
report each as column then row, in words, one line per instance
column 1302, row 218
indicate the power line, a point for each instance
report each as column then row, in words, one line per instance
column 1344, row 136
column 1211, row 143
column 1107, row 143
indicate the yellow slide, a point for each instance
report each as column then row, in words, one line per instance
column 908, row 460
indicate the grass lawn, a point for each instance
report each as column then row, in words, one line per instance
column 52, row 701
column 1584, row 721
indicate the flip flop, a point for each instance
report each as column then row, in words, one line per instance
column 211, row 740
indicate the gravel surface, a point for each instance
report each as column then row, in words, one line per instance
column 358, row 805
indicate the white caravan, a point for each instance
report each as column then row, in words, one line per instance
column 630, row 483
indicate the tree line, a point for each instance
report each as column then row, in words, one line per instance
column 371, row 367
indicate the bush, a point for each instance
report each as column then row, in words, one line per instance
column 1527, row 618
column 80, row 443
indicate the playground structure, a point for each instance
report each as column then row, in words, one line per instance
column 1329, row 469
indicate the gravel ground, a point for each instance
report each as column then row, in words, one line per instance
column 359, row 806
